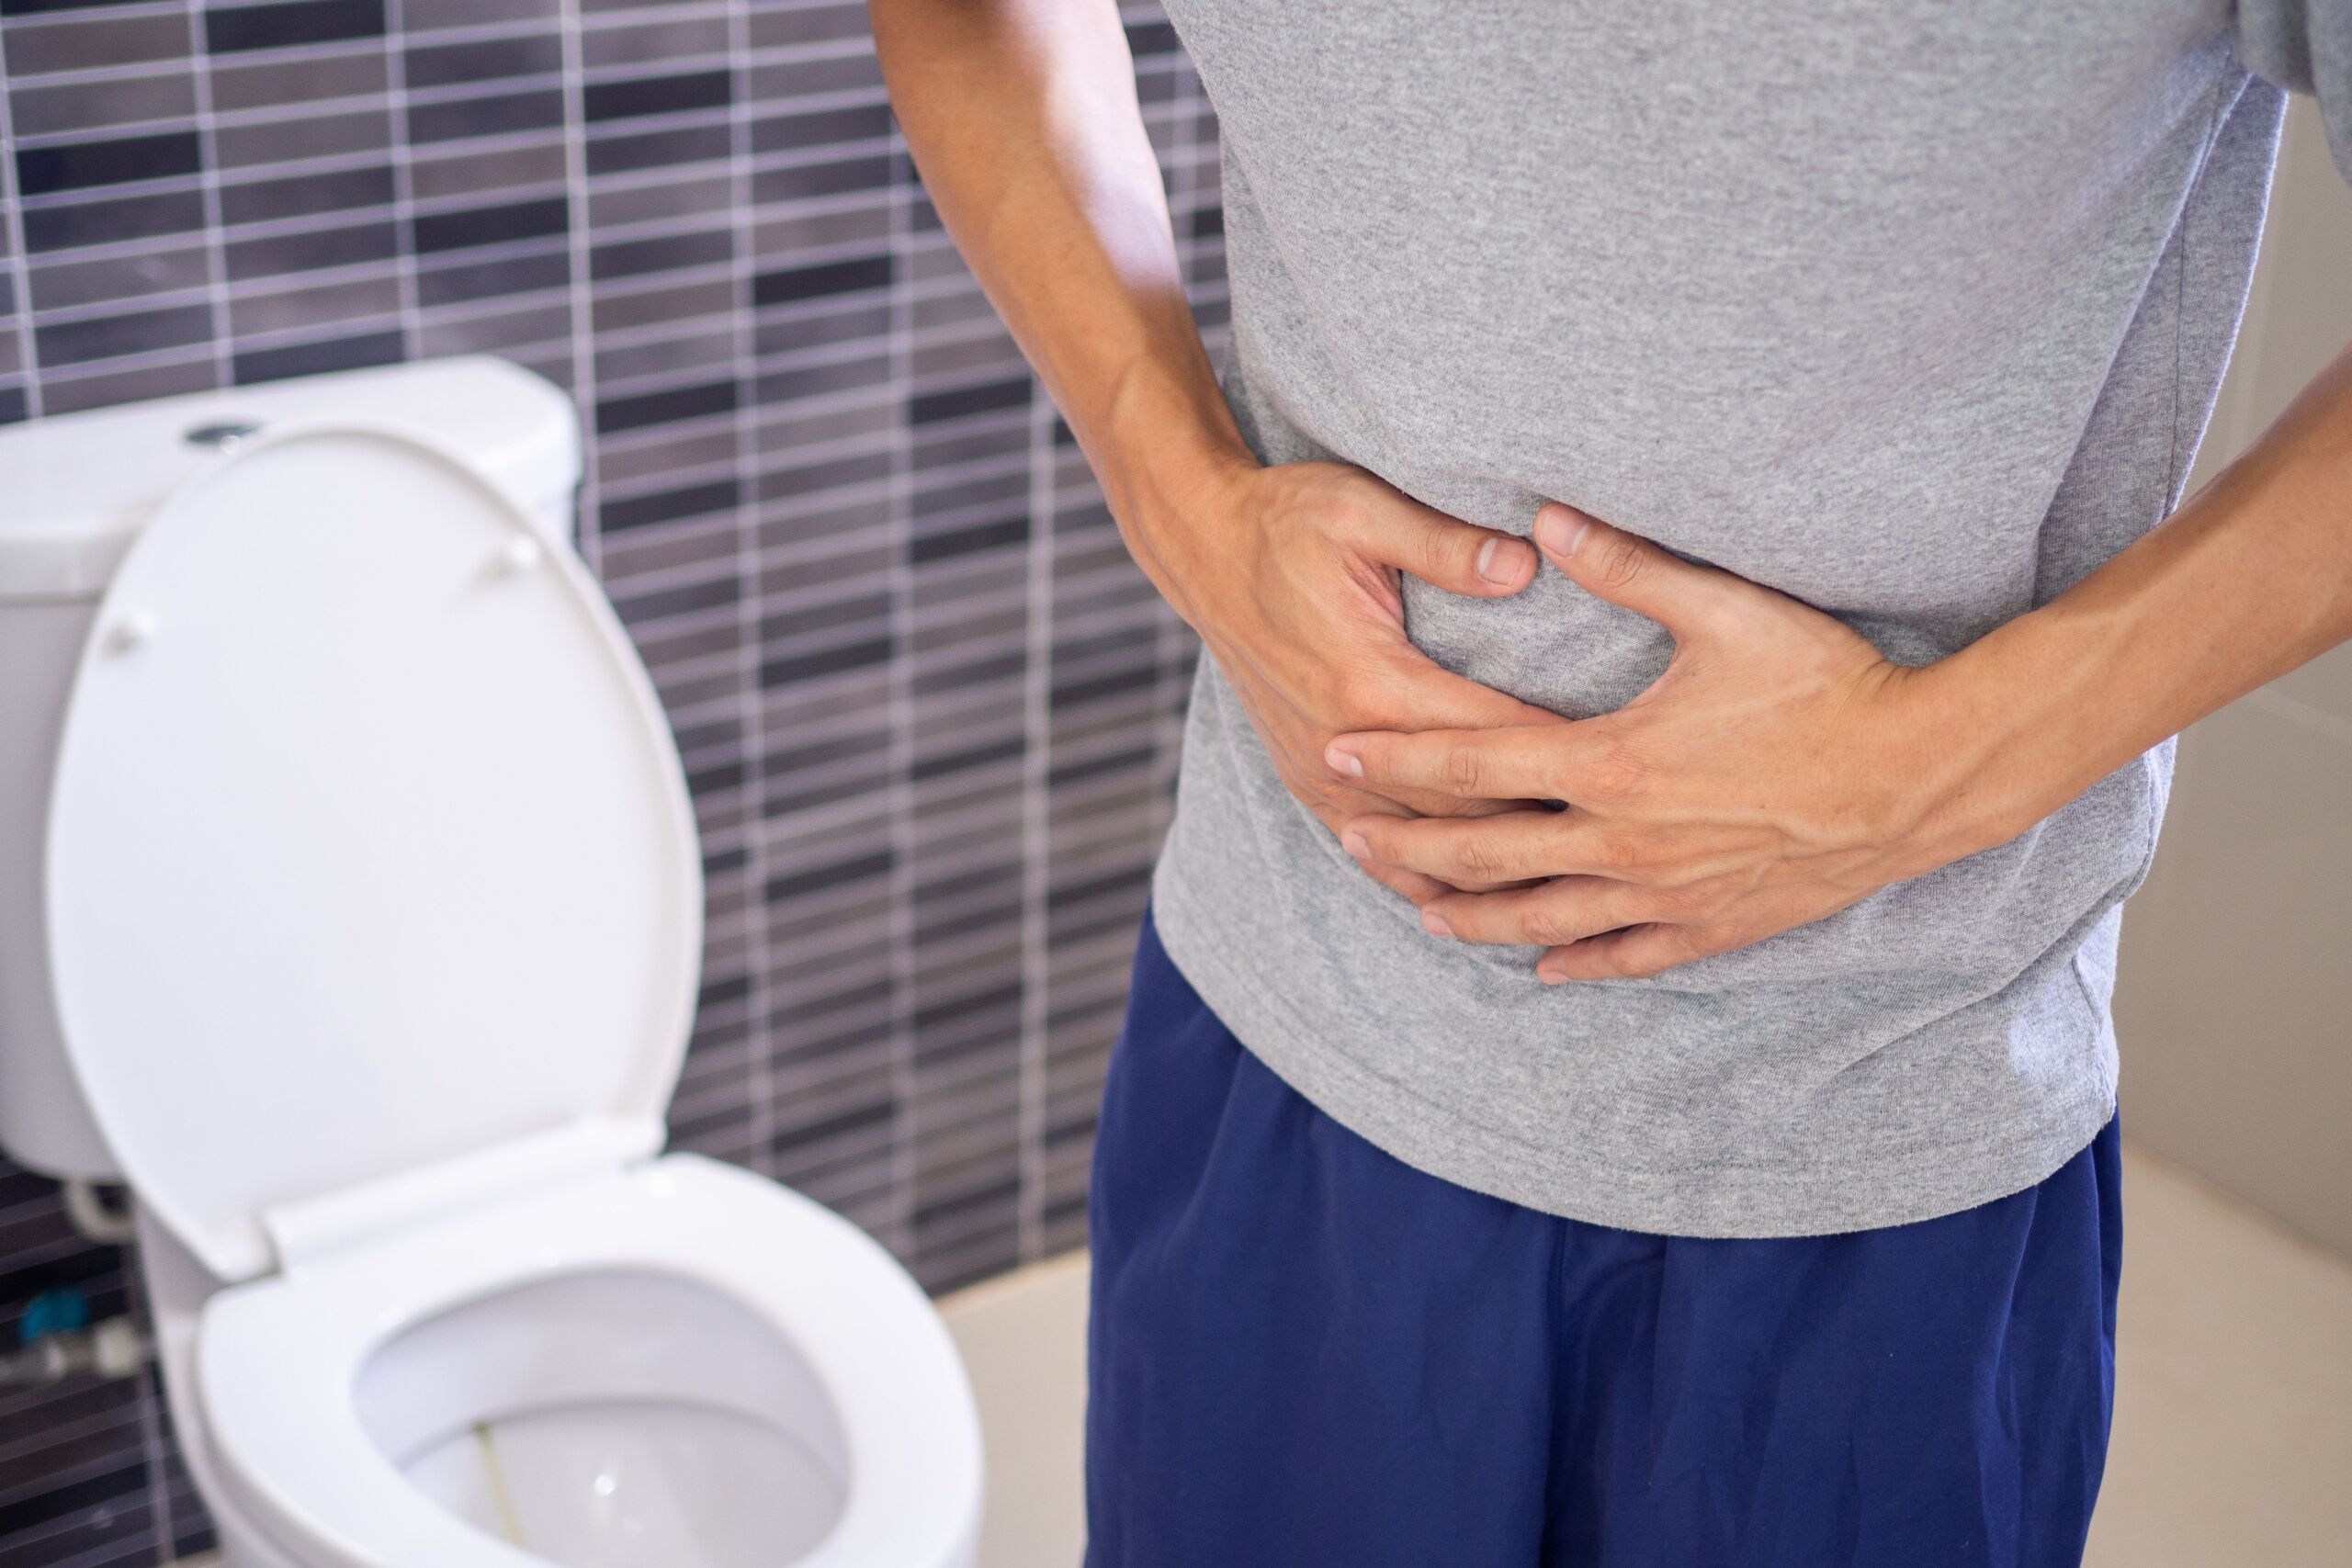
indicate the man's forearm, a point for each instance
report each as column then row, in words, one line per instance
column 2250, row 579
column 1022, row 116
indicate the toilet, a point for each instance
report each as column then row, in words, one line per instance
column 350, row 906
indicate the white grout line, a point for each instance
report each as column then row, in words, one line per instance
column 12, row 209
column 590, row 536
column 216, row 254
column 759, row 1078
column 898, row 532
column 402, row 153
column 1036, row 825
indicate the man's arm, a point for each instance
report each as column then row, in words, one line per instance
column 1022, row 116
column 2249, row 579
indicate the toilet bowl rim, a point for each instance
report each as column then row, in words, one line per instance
column 874, row 1343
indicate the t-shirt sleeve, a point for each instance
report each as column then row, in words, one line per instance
column 2304, row 46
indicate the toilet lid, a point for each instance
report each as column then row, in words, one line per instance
column 367, row 847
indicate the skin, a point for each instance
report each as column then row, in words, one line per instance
column 1780, row 769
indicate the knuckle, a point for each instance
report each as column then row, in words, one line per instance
column 1474, row 857
column 1622, row 564
column 1622, row 853
column 1464, row 772
column 1550, row 926
column 1616, row 772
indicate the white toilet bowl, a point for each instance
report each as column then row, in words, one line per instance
column 677, row 1365
column 350, row 911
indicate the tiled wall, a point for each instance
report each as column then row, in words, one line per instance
column 929, row 707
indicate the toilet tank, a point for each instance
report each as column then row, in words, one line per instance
column 74, row 490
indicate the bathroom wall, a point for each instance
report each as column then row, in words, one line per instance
column 2233, row 1002
column 929, row 707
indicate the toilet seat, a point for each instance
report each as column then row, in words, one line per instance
column 278, row 1361
column 368, row 848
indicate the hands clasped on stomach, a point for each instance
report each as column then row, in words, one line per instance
column 1779, row 770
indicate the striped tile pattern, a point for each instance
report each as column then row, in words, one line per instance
column 929, row 707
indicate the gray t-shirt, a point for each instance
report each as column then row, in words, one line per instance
column 1914, row 311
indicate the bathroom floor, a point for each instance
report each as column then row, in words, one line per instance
column 2234, row 1418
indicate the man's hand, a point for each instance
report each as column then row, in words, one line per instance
column 1780, row 769
column 1292, row 575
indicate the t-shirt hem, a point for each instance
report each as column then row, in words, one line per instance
column 1925, row 1181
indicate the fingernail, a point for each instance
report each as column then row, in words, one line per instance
column 1353, row 841
column 1561, row 530
column 1502, row 560
column 1347, row 764
column 1550, row 977
column 1434, row 923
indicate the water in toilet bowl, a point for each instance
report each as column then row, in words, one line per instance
column 614, row 1418
column 636, row 1486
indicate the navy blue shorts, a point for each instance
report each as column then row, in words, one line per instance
column 1304, row 1352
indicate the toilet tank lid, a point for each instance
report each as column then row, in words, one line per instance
column 77, row 488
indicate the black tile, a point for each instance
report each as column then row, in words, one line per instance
column 971, row 539
column 1104, row 683
column 806, row 181
column 1094, row 767
column 78, row 165
column 668, row 505
column 841, row 1126
column 950, row 402
column 1207, row 222
column 113, row 1497
column 456, row 283
column 670, row 253
column 858, row 868
column 109, row 337
column 940, row 766
column 1151, row 38
column 13, row 406
column 656, row 94
column 848, row 275
column 500, row 223
column 317, row 359
column 299, row 196
column 308, row 250
column 481, row 60
column 823, row 128
column 790, row 669
column 502, row 114
column 659, row 148
column 230, row 29
column 665, row 407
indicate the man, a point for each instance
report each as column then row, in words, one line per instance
column 1620, row 1069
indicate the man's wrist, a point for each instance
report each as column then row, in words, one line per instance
column 1169, row 458
column 2018, row 719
